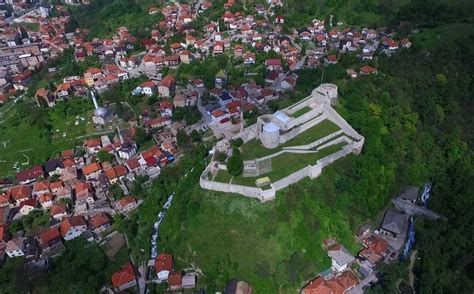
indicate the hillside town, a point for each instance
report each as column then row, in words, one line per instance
column 79, row 192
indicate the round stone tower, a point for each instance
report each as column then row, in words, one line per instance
column 270, row 135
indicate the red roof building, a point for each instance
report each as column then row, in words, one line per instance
column 125, row 278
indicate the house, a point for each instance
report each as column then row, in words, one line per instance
column 166, row 108
column 341, row 258
column 238, row 287
column 289, row 82
column 166, row 86
column 249, row 58
column 53, row 167
column 218, row 115
column 113, row 174
column 410, row 194
column 99, row 222
column 238, row 50
column 351, row 73
column 58, row 211
column 127, row 150
column 218, row 47
column 188, row 281
column 179, row 100
column 93, row 146
column 46, row 200
column 304, row 34
column 339, row 284
column 127, row 204
column 19, row 193
column 124, row 279
column 367, row 70
column 15, row 247
column 175, row 280
column 50, row 238
column 220, row 79
column 46, row 96
column 273, row 64
column 73, row 227
column 148, row 88
column 84, row 193
column 393, row 224
column 330, row 59
column 92, row 171
column 29, row 175
column 63, row 90
column 163, row 266
column 27, row 206
column 376, row 249
column 158, row 122
column 41, row 187
column 405, row 43
column 271, row 78
column 69, row 176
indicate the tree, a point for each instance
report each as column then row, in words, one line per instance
column 195, row 135
column 104, row 156
column 220, row 156
column 235, row 164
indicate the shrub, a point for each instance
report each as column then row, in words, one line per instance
column 237, row 142
column 235, row 165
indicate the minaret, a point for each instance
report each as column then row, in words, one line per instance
column 241, row 120
column 94, row 100
column 120, row 135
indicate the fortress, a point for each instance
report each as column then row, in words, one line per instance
column 281, row 149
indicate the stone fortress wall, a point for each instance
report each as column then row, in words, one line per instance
column 320, row 101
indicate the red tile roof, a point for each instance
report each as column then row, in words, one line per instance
column 167, row 81
column 30, row 174
column 124, row 276
column 127, row 200
column 20, row 192
column 174, row 278
column 70, row 222
column 49, row 235
column 91, row 168
column 99, row 220
column 57, row 209
column 164, row 262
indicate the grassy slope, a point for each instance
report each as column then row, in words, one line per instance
column 27, row 139
column 270, row 245
column 254, row 149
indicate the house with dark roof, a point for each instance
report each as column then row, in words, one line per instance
column 393, row 224
column 30, row 175
column 410, row 194
column 53, row 167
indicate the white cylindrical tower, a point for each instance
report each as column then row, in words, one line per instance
column 270, row 135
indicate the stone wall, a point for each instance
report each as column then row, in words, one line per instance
column 252, row 192
column 315, row 143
